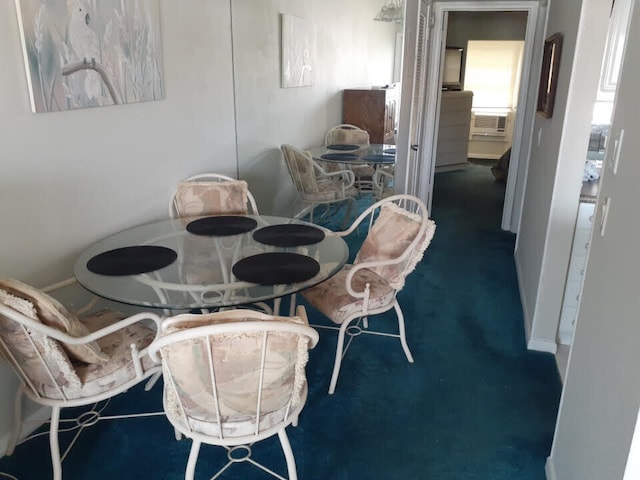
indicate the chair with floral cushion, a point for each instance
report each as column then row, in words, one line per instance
column 347, row 134
column 315, row 186
column 63, row 360
column 399, row 233
column 211, row 194
column 233, row 378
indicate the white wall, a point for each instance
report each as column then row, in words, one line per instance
column 557, row 157
column 601, row 395
column 350, row 51
column 69, row 178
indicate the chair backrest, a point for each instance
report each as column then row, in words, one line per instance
column 28, row 319
column 211, row 194
column 399, row 232
column 346, row 134
column 236, row 374
column 303, row 170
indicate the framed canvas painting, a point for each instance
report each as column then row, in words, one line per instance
column 91, row 53
column 297, row 68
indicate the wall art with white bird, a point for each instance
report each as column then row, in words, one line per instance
column 91, row 53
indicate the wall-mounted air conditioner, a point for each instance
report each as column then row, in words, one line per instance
column 488, row 125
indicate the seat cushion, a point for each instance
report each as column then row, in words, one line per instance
column 332, row 298
column 199, row 198
column 100, row 377
column 236, row 359
column 52, row 313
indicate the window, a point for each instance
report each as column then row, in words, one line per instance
column 492, row 73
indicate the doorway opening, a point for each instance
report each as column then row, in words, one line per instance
column 519, row 22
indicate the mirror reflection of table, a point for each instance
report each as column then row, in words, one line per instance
column 375, row 154
column 202, row 274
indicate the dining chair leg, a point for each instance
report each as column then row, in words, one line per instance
column 56, row 462
column 17, row 421
column 403, row 337
column 288, row 454
column 193, row 458
column 338, row 360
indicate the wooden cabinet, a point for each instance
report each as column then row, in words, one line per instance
column 453, row 129
column 373, row 110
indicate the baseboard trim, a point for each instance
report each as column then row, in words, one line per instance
column 449, row 168
column 523, row 299
column 542, row 345
column 550, row 469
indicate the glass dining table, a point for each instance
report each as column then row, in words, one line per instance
column 356, row 154
column 210, row 262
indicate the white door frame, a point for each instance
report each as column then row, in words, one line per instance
column 430, row 122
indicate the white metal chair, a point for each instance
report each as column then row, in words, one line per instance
column 314, row 185
column 399, row 233
column 211, row 194
column 66, row 361
column 383, row 179
column 347, row 134
column 233, row 378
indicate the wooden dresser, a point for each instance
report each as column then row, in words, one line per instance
column 373, row 110
column 453, row 130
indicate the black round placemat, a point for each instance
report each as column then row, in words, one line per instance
column 342, row 147
column 339, row 156
column 131, row 260
column 276, row 268
column 289, row 235
column 377, row 158
column 221, row 225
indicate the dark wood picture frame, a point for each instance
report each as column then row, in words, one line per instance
column 549, row 74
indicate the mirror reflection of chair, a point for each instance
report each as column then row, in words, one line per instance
column 399, row 233
column 383, row 183
column 65, row 361
column 315, row 186
column 234, row 378
column 211, row 194
column 347, row 134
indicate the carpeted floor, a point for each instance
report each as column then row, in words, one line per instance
column 475, row 405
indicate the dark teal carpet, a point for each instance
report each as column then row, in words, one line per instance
column 475, row 405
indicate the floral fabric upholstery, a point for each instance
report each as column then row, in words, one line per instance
column 197, row 198
column 236, row 362
column 347, row 135
column 49, row 371
column 332, row 299
column 118, row 369
column 33, row 355
column 389, row 237
column 52, row 313
column 309, row 185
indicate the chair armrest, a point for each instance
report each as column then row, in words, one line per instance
column 66, row 338
column 368, row 265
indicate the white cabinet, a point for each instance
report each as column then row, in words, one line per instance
column 575, row 275
column 453, row 129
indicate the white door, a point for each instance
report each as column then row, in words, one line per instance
column 412, row 97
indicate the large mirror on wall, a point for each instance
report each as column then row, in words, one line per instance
column 352, row 45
